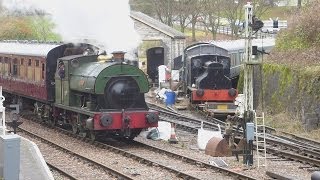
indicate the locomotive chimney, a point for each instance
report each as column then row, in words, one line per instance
column 118, row 56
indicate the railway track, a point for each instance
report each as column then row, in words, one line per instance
column 182, row 166
column 287, row 146
column 189, row 160
column 69, row 163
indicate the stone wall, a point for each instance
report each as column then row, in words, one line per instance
column 295, row 91
column 172, row 47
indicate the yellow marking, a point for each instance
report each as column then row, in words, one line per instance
column 222, row 106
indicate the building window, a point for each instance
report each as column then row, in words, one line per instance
column 29, row 62
column 21, row 62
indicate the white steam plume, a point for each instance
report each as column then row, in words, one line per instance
column 106, row 22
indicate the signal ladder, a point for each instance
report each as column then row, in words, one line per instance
column 261, row 144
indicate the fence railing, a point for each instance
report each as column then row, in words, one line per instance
column 266, row 31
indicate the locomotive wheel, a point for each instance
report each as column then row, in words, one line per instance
column 51, row 122
column 75, row 129
column 82, row 134
column 92, row 135
column 74, row 123
column 134, row 134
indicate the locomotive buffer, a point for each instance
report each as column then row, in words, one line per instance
column 248, row 115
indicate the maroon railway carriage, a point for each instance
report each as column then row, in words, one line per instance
column 27, row 69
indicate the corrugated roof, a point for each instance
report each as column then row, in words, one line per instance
column 139, row 16
column 26, row 48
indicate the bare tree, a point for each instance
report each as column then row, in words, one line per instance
column 234, row 12
column 164, row 11
column 183, row 9
column 207, row 12
column 1, row 7
column 195, row 13
column 299, row 3
column 260, row 7
column 160, row 9
column 212, row 10
column 144, row 6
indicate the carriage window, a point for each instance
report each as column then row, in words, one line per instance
column 233, row 59
column 15, row 67
column 241, row 57
column 6, row 68
column 225, row 62
column 10, row 69
column 43, row 71
column 37, row 63
column 1, row 67
column 29, row 62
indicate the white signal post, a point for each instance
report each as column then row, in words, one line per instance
column 3, row 112
column 247, row 61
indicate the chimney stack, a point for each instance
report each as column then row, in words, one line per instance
column 118, row 55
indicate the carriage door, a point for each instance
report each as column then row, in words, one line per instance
column 155, row 58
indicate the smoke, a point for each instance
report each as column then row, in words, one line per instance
column 106, row 22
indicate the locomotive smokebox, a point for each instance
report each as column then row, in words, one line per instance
column 118, row 56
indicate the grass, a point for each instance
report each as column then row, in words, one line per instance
column 285, row 122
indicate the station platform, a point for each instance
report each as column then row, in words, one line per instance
column 32, row 163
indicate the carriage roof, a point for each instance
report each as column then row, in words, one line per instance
column 34, row 48
column 235, row 45
column 27, row 48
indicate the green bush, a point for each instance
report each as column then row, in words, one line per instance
column 303, row 29
column 27, row 28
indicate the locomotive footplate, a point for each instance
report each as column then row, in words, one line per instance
column 125, row 120
column 219, row 108
column 122, row 120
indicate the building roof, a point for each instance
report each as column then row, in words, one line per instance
column 139, row 16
